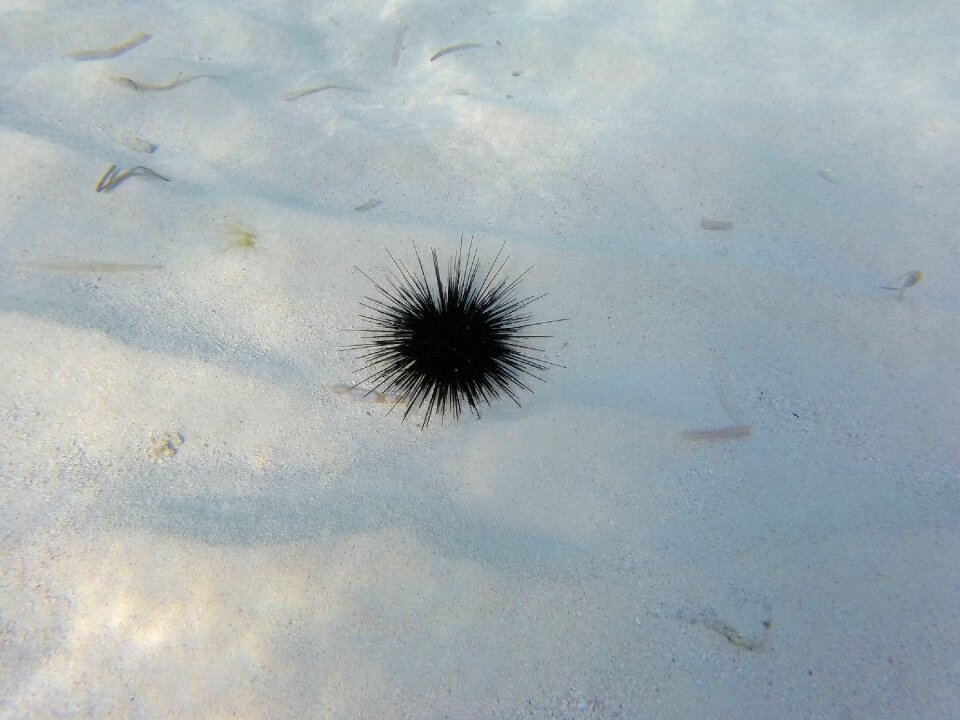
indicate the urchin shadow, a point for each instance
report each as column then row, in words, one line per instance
column 442, row 343
column 353, row 505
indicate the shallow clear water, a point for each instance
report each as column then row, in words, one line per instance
column 736, row 498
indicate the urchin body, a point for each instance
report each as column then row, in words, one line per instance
column 463, row 338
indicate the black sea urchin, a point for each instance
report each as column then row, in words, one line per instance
column 459, row 339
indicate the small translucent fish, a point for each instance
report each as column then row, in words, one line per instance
column 453, row 49
column 828, row 175
column 398, row 44
column 369, row 394
column 98, row 267
column 733, row 432
column 708, row 224
column 105, row 180
column 141, row 145
column 905, row 281
column 110, row 52
column 296, row 94
column 179, row 80
column 114, row 176
column 368, row 205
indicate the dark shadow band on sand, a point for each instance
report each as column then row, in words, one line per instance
column 322, row 517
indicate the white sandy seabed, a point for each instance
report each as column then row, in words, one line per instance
column 195, row 526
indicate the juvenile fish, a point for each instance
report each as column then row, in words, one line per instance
column 179, row 80
column 114, row 176
column 453, row 49
column 99, row 267
column 708, row 224
column 905, row 281
column 369, row 394
column 398, row 44
column 295, row 94
column 733, row 432
column 110, row 52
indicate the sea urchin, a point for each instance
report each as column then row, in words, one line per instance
column 463, row 339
